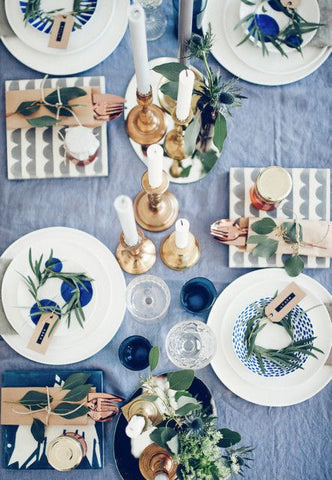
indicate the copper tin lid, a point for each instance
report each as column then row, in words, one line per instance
column 274, row 184
column 65, row 453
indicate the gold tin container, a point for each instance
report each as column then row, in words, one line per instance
column 66, row 452
column 271, row 187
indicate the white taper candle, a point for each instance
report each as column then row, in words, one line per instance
column 185, row 92
column 182, row 233
column 124, row 208
column 184, row 28
column 139, row 46
column 155, row 165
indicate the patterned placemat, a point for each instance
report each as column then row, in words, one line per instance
column 310, row 198
column 39, row 152
column 21, row 451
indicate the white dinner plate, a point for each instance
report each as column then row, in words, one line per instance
column 79, row 251
column 274, row 336
column 242, row 385
column 247, row 61
column 74, row 62
column 81, row 38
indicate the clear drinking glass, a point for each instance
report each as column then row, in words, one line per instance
column 155, row 19
column 191, row 344
column 148, row 298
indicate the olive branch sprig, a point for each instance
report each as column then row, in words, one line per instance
column 74, row 280
column 285, row 358
column 290, row 36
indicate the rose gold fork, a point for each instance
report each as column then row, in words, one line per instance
column 102, row 406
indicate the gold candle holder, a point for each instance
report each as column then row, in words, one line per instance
column 180, row 258
column 155, row 460
column 143, row 408
column 137, row 259
column 145, row 123
column 174, row 143
column 156, row 209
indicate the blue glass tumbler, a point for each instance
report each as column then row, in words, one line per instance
column 134, row 352
column 198, row 295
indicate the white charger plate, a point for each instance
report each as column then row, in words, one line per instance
column 74, row 62
column 247, row 61
column 242, row 385
column 104, row 314
column 274, row 336
column 79, row 39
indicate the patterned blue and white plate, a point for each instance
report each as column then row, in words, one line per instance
column 302, row 327
column 44, row 21
column 88, row 28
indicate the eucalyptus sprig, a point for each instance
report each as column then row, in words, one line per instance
column 289, row 232
column 291, row 36
column 44, row 272
column 285, row 358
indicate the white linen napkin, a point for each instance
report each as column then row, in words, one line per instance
column 5, row 28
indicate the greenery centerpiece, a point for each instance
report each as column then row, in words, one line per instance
column 205, row 136
column 190, row 432
column 263, row 28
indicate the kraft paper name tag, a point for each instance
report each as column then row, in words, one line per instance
column 41, row 337
column 284, row 302
column 61, row 30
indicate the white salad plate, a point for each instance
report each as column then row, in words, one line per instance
column 247, row 61
column 79, row 252
column 80, row 39
column 293, row 388
column 73, row 63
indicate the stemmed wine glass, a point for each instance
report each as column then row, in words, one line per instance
column 155, row 20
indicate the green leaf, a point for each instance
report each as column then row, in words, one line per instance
column 154, row 357
column 151, row 398
column 35, row 400
column 187, row 408
column 266, row 246
column 44, row 121
column 264, row 226
column 229, row 439
column 182, row 393
column 66, row 410
column 208, row 160
column 66, row 94
column 247, row 2
column 290, row 235
column 294, row 265
column 74, row 380
column 170, row 70
column 38, row 430
column 170, row 89
column 27, row 108
column 78, row 393
column 220, row 132
column 185, row 172
column 181, row 379
column 190, row 136
column 162, row 435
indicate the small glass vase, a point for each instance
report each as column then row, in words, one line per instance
column 155, row 19
column 191, row 344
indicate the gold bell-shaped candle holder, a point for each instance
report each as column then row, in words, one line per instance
column 145, row 123
column 156, row 463
column 180, row 249
column 156, row 209
column 174, row 143
column 138, row 258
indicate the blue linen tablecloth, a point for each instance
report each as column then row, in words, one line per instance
column 285, row 126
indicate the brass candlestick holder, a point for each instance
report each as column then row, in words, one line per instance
column 139, row 258
column 180, row 258
column 156, row 209
column 144, row 408
column 174, row 143
column 145, row 123
column 156, row 460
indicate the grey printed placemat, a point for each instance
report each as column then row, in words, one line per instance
column 39, row 152
column 310, row 198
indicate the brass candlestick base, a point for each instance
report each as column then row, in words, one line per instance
column 137, row 259
column 155, row 209
column 144, row 408
column 180, row 258
column 155, row 460
column 174, row 144
column 145, row 123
